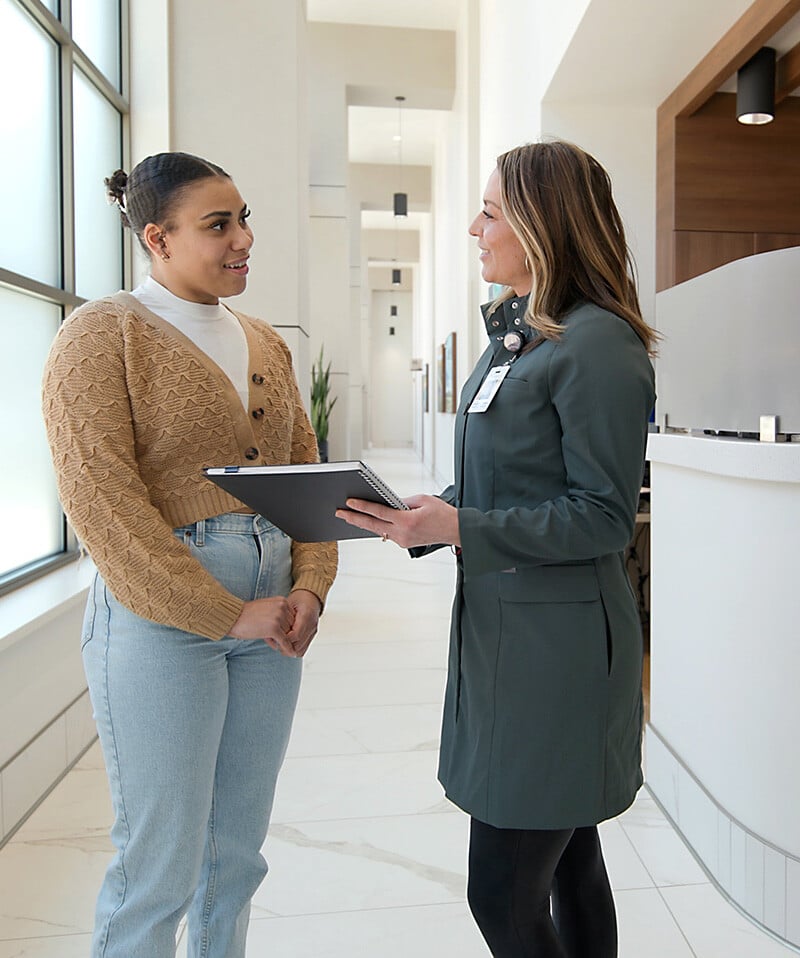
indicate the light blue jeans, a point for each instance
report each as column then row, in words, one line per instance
column 193, row 735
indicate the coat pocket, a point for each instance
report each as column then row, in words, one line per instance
column 550, row 583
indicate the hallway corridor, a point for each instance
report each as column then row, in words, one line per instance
column 367, row 858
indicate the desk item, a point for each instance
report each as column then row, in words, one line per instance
column 302, row 499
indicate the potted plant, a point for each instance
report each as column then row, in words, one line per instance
column 321, row 403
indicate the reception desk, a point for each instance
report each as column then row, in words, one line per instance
column 722, row 753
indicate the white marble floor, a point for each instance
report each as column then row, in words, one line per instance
column 367, row 859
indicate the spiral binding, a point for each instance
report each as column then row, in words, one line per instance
column 381, row 488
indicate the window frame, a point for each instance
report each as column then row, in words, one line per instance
column 71, row 57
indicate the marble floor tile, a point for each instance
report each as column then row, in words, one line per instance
column 49, row 887
column 387, row 622
column 646, row 927
column 57, row 946
column 353, row 730
column 625, row 868
column 662, row 851
column 356, row 657
column 715, row 929
column 364, row 864
column 399, row 686
column 358, row 786
column 431, row 931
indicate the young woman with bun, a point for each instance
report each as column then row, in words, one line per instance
column 201, row 611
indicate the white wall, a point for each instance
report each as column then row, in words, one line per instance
column 392, row 405
column 250, row 116
column 45, row 714
column 511, row 86
column 622, row 138
column 424, row 340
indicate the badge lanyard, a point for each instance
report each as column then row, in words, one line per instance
column 490, row 386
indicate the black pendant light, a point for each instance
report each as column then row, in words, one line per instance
column 755, row 89
column 396, row 277
column 400, row 198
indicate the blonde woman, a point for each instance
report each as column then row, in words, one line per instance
column 542, row 720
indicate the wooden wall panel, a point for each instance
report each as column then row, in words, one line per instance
column 665, row 200
column 698, row 252
column 755, row 28
column 766, row 242
column 738, row 178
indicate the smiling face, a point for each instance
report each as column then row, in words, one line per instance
column 502, row 255
column 201, row 253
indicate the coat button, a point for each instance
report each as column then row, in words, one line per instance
column 258, row 413
column 258, row 379
column 514, row 305
column 495, row 322
column 251, row 453
column 516, row 322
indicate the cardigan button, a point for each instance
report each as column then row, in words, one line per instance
column 258, row 379
column 258, row 413
column 251, row 453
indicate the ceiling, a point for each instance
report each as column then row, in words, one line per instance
column 371, row 133
column 371, row 130
column 783, row 41
column 414, row 14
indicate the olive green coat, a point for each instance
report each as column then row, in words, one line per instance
column 542, row 717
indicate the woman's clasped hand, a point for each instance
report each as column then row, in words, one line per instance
column 285, row 624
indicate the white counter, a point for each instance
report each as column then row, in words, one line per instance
column 722, row 754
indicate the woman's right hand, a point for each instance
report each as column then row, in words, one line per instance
column 268, row 619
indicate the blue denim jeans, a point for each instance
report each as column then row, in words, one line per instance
column 193, row 735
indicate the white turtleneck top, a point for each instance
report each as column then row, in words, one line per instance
column 214, row 329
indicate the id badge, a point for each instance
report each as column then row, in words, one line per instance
column 488, row 390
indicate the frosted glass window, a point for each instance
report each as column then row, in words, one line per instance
column 95, row 28
column 98, row 233
column 29, row 161
column 30, row 515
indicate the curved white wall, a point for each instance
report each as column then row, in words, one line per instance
column 725, row 658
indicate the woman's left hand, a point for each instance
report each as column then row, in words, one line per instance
column 428, row 521
column 307, row 608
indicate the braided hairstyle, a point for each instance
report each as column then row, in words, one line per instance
column 149, row 193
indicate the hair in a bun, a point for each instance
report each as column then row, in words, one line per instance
column 115, row 190
column 149, row 193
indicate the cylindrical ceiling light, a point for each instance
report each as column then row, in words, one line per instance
column 396, row 277
column 755, row 89
column 392, row 310
column 400, row 198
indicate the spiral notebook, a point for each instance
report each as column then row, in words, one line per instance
column 302, row 499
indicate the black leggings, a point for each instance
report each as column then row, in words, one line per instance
column 516, row 875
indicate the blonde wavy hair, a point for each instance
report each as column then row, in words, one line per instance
column 557, row 200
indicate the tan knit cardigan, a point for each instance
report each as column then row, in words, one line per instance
column 133, row 411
